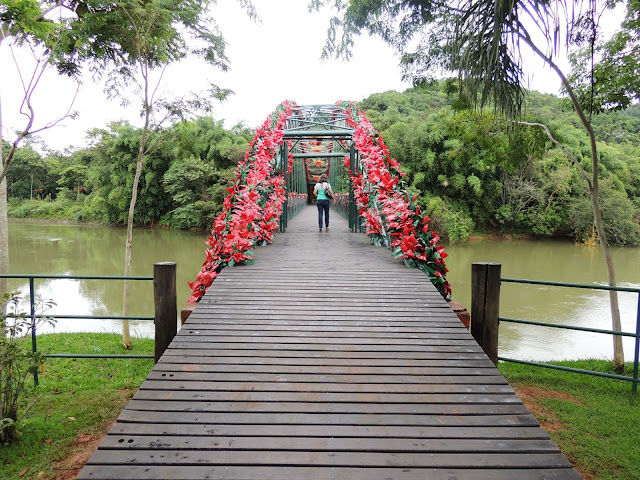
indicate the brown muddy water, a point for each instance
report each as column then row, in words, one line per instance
column 64, row 249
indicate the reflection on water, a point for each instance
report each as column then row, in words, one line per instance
column 559, row 261
column 72, row 299
column 95, row 250
column 60, row 249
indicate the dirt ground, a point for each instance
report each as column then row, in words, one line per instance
column 82, row 448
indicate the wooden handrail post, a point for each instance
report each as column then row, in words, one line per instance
column 485, row 307
column 166, row 305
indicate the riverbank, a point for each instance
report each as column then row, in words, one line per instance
column 17, row 214
column 92, row 223
column 591, row 419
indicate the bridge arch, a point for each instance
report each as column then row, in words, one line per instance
column 275, row 180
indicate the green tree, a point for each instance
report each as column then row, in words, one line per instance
column 112, row 164
column 617, row 212
column 32, row 22
column 28, row 22
column 74, row 177
column 28, row 171
column 197, row 192
column 482, row 41
column 206, row 154
column 208, row 140
column 142, row 39
column 611, row 83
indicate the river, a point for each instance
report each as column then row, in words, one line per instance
column 66, row 249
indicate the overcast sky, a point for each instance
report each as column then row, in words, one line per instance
column 272, row 61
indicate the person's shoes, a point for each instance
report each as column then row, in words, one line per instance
column 320, row 230
column 327, row 228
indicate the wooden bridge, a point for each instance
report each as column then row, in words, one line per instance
column 326, row 359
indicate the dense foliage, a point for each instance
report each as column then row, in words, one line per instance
column 472, row 175
column 469, row 173
column 183, row 185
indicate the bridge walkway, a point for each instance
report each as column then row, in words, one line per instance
column 325, row 359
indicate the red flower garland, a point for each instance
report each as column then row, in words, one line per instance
column 391, row 217
column 251, row 212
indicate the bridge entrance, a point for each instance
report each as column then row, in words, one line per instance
column 320, row 140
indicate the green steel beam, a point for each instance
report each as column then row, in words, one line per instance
column 306, row 123
column 352, row 201
column 568, row 327
column 74, row 277
column 91, row 317
column 71, row 355
column 284, row 216
column 318, row 133
column 320, row 155
column 573, row 285
column 568, row 369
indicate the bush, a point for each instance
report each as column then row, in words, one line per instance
column 452, row 225
column 17, row 360
column 22, row 208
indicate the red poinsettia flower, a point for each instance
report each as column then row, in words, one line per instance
column 253, row 205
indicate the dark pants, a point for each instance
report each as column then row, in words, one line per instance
column 323, row 206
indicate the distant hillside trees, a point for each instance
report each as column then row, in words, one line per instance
column 473, row 174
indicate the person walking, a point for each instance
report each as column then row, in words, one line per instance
column 323, row 193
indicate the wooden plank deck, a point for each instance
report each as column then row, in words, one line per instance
column 326, row 359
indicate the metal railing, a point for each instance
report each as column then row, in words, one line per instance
column 295, row 183
column 341, row 185
column 162, row 271
column 297, row 189
column 487, row 297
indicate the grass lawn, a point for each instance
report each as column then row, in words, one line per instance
column 77, row 400
column 595, row 421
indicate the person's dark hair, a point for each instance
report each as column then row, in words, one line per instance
column 323, row 178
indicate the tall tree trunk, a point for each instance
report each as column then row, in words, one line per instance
column 4, row 220
column 618, row 351
column 126, row 336
column 4, row 258
column 4, row 243
column 4, row 234
column 592, row 185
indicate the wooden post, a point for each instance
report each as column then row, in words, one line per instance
column 166, row 305
column 485, row 307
